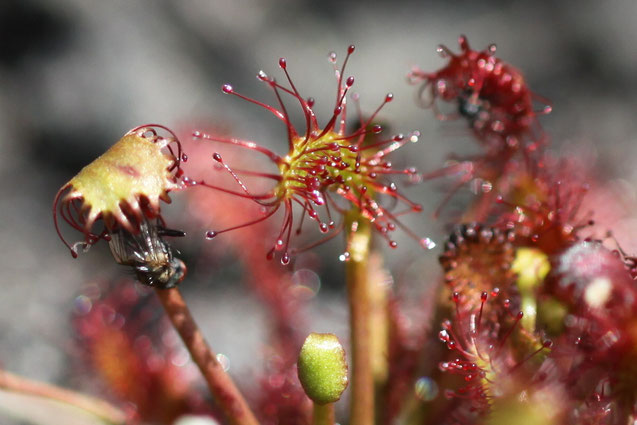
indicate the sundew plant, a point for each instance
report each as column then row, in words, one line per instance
column 531, row 316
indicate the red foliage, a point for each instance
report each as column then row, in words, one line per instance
column 498, row 105
column 124, row 343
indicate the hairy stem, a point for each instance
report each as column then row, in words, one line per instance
column 221, row 385
column 94, row 406
column 358, row 246
column 323, row 414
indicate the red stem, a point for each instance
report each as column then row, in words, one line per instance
column 220, row 383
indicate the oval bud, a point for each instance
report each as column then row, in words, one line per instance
column 322, row 368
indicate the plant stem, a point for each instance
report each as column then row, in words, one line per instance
column 94, row 406
column 379, row 292
column 358, row 246
column 221, row 385
column 323, row 414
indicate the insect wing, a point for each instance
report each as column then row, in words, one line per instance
column 135, row 249
column 149, row 255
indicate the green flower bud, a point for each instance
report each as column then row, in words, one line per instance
column 322, row 368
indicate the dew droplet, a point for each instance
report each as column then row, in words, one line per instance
column 306, row 283
column 224, row 361
column 82, row 305
column 227, row 89
column 323, row 227
column 283, row 63
column 446, row 324
column 77, row 247
column 344, row 256
column 285, row 259
column 426, row 388
column 441, row 51
column 443, row 336
column 211, row 234
column 350, row 49
column 393, row 244
column 389, row 97
column 190, row 182
column 184, row 157
column 217, row 157
column 196, row 134
column 427, row 243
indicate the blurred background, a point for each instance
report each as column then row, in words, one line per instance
column 76, row 75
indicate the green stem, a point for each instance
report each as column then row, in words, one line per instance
column 379, row 292
column 358, row 246
column 103, row 410
column 323, row 414
column 220, row 383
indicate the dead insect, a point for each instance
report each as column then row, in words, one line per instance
column 149, row 254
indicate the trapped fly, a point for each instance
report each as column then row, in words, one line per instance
column 150, row 256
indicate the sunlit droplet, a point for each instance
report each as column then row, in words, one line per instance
column 426, row 388
column 82, row 247
column 427, row 243
column 224, row 361
column 82, row 305
column 305, row 284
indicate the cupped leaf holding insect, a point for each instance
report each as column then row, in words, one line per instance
column 123, row 188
